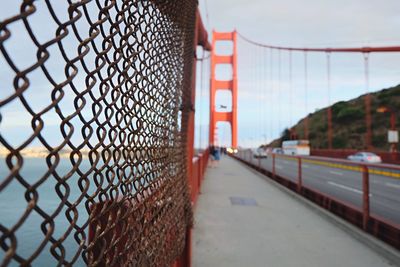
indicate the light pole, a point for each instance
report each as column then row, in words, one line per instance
column 393, row 143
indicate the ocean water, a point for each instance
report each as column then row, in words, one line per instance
column 29, row 235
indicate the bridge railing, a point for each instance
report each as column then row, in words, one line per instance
column 96, row 141
column 359, row 215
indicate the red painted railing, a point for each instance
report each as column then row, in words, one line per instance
column 199, row 166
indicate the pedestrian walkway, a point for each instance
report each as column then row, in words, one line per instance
column 242, row 219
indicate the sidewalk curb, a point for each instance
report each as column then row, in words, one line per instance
column 386, row 251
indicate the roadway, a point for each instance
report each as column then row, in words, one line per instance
column 343, row 182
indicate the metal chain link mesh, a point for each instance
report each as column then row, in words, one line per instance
column 101, row 91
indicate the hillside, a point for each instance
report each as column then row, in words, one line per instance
column 348, row 122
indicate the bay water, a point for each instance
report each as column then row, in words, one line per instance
column 13, row 205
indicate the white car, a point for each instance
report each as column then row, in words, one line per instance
column 277, row 150
column 365, row 157
column 260, row 153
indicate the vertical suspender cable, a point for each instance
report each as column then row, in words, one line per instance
column 271, row 102
column 260, row 93
column 264, row 95
column 255, row 96
column 306, row 96
column 279, row 92
column 290, row 95
column 368, row 138
column 254, row 91
column 329, row 109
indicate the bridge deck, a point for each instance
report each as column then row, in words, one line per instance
column 279, row 231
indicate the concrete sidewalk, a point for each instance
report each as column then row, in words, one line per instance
column 278, row 231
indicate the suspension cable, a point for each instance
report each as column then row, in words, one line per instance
column 328, row 75
column 332, row 50
column 279, row 91
column 259, row 89
column 329, row 109
column 368, row 119
column 271, row 76
column 290, row 88
column 306, row 95
column 264, row 116
column 366, row 71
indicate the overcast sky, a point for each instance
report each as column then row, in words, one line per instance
column 263, row 109
column 309, row 22
column 315, row 23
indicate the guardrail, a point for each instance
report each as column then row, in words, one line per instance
column 376, row 225
column 199, row 167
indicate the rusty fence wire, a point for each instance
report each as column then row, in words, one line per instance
column 94, row 103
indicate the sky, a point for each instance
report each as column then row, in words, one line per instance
column 265, row 106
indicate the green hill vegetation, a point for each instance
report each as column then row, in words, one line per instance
column 348, row 122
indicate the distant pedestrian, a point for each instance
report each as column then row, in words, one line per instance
column 215, row 155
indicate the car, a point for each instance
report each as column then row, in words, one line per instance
column 231, row 150
column 259, row 153
column 365, row 157
column 277, row 150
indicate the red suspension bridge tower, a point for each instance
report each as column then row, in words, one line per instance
column 231, row 85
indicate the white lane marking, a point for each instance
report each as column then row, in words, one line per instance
column 347, row 188
column 337, row 173
column 306, row 166
column 278, row 167
column 393, row 185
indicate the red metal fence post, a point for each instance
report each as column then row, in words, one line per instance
column 273, row 165
column 330, row 134
column 368, row 121
column 200, row 173
column 393, row 146
column 365, row 196
column 300, row 179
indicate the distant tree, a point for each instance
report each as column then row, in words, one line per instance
column 349, row 114
column 339, row 142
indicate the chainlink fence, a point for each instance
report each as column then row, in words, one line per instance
column 94, row 108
